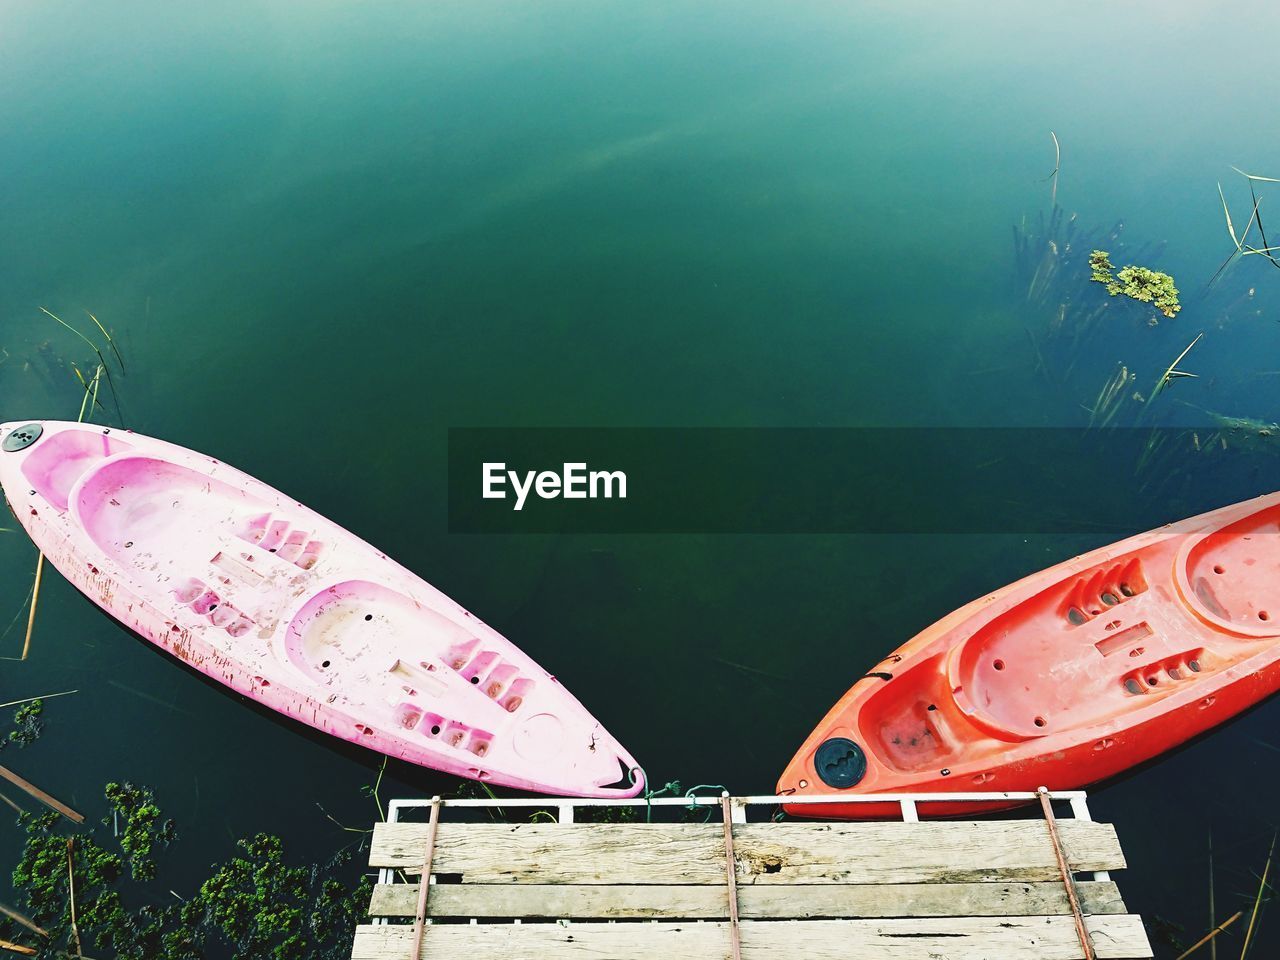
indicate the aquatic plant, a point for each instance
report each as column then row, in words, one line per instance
column 28, row 724
column 1241, row 242
column 1258, row 900
column 266, row 908
column 143, row 826
column 83, row 896
column 1100, row 264
column 1137, row 283
column 1172, row 372
column 1052, row 268
column 1057, row 167
column 1112, row 397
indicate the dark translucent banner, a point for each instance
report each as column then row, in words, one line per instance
column 849, row 480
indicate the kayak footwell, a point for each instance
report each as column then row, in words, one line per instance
column 712, row 889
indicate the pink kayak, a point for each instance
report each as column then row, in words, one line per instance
column 284, row 606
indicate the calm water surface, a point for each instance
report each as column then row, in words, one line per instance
column 324, row 233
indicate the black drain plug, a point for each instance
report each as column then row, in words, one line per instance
column 840, row 762
column 22, row 437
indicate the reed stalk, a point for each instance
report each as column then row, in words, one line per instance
column 1057, row 165
column 1172, row 372
column 97, row 352
column 1213, row 918
column 24, row 920
column 1110, row 398
column 92, row 346
column 112, row 343
column 31, row 614
column 1257, row 902
column 1210, row 937
column 89, row 400
column 71, row 890
column 18, row 703
column 377, row 784
column 33, row 791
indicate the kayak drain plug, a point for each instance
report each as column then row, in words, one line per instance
column 840, row 763
column 22, row 437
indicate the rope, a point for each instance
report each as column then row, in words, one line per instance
column 672, row 788
column 689, row 795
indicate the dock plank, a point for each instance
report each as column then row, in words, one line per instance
column 952, row 938
column 767, row 853
column 760, row 901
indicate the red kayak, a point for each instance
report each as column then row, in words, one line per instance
column 1066, row 677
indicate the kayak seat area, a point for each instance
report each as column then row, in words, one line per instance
column 55, row 465
column 1231, row 578
column 382, row 640
column 154, row 515
column 354, row 629
column 1073, row 655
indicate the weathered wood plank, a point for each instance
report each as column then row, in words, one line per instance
column 761, row 901
column 952, row 938
column 784, row 853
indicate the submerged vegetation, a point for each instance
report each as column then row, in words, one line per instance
column 1093, row 305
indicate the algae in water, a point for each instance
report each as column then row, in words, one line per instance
column 1137, row 283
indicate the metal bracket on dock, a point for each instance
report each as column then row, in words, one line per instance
column 1068, row 880
column 424, row 885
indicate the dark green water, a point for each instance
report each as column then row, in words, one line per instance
column 324, row 233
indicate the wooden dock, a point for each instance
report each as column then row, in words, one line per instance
column 527, row 880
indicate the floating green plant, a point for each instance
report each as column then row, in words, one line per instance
column 83, row 893
column 1137, row 283
column 144, row 827
column 27, row 725
column 1103, row 270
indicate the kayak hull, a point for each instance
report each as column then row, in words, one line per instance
column 1065, row 678
column 281, row 605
